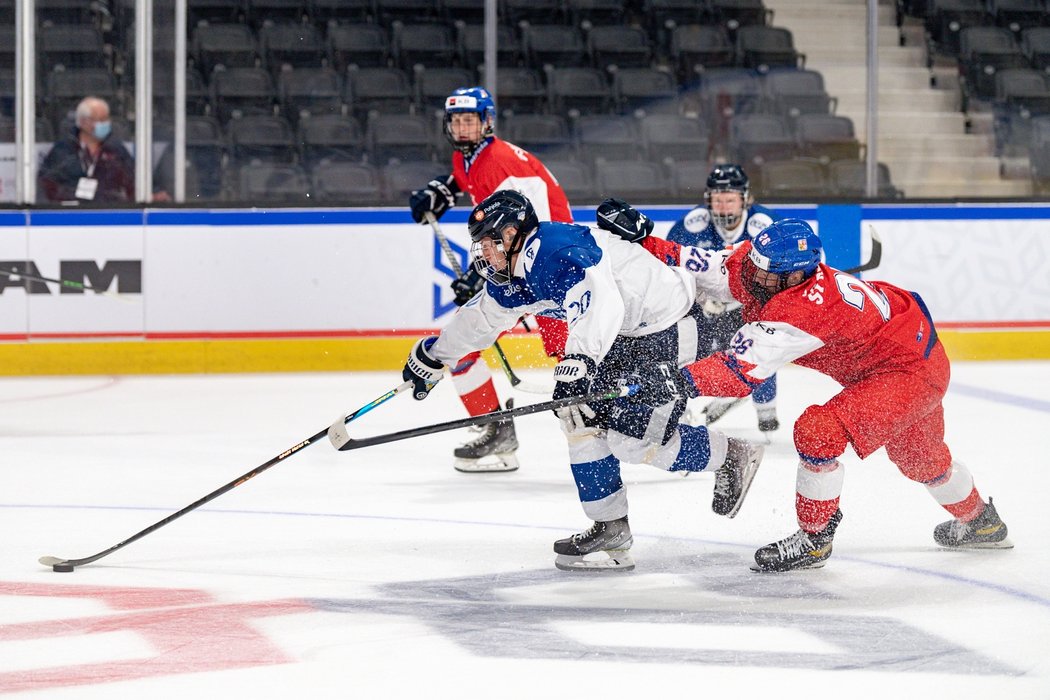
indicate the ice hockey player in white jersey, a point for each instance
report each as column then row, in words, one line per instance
column 728, row 217
column 624, row 309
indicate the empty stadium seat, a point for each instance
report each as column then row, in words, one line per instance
column 271, row 182
column 553, row 44
column 297, row 45
column 401, row 179
column 620, row 46
column 634, row 180
column 259, row 12
column 329, row 11
column 520, row 89
column 575, row 178
column 205, row 147
column 383, row 90
column 793, row 92
column 1035, row 44
column 227, row 45
column 596, row 11
column 801, row 179
column 583, row 90
column 983, row 52
column 330, row 137
column 848, row 177
column 827, row 137
column 429, row 45
column 756, row 138
column 470, row 43
column 1018, row 15
column 606, row 136
column 69, row 46
column 546, row 135
column 697, row 47
column 402, row 137
column 362, row 45
column 672, row 136
column 688, row 178
column 645, row 89
column 349, row 184
column 434, row 85
column 242, row 91
column 260, row 138
column 735, row 14
column 761, row 48
column 310, row 91
column 945, row 20
column 388, row 12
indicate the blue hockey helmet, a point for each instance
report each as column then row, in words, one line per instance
column 471, row 99
column 785, row 246
column 728, row 177
column 498, row 228
column 781, row 249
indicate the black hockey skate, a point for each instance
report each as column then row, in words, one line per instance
column 612, row 538
column 803, row 550
column 986, row 531
column 492, row 451
column 733, row 478
column 767, row 419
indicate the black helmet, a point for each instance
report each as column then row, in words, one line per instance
column 489, row 220
column 728, row 177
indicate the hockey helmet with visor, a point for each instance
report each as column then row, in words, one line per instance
column 472, row 100
column 730, row 178
column 498, row 228
column 781, row 250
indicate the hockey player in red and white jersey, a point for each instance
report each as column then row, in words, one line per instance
column 876, row 340
column 482, row 163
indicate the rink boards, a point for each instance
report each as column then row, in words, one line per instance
column 337, row 289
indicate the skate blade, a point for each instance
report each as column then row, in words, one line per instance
column 507, row 462
column 1003, row 544
column 761, row 570
column 748, row 476
column 617, row 560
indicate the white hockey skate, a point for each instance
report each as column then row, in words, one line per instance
column 492, row 451
column 605, row 546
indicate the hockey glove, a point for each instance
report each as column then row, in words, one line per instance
column 714, row 308
column 660, row 384
column 436, row 198
column 619, row 217
column 467, row 285
column 572, row 378
column 422, row 368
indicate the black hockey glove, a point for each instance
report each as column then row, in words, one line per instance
column 572, row 378
column 437, row 197
column 422, row 369
column 619, row 217
column 661, row 383
column 467, row 285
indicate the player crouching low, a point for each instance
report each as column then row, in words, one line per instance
column 877, row 341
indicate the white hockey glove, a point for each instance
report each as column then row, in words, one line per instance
column 436, row 198
column 572, row 378
column 422, row 368
column 619, row 217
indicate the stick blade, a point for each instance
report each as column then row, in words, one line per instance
column 337, row 433
column 51, row 561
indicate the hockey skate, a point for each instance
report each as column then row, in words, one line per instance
column 986, row 531
column 767, row 418
column 492, row 451
column 733, row 478
column 612, row 538
column 803, row 550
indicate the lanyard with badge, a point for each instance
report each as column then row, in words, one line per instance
column 87, row 186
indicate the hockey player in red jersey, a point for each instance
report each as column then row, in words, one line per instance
column 876, row 340
column 482, row 163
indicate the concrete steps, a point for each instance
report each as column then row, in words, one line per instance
column 923, row 136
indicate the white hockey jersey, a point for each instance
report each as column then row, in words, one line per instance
column 601, row 285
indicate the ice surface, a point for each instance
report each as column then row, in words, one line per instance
column 385, row 573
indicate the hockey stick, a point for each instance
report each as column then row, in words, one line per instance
column 515, row 381
column 70, row 284
column 66, row 565
column 342, row 441
column 876, row 254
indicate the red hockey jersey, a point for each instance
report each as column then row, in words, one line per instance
column 833, row 322
column 499, row 165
